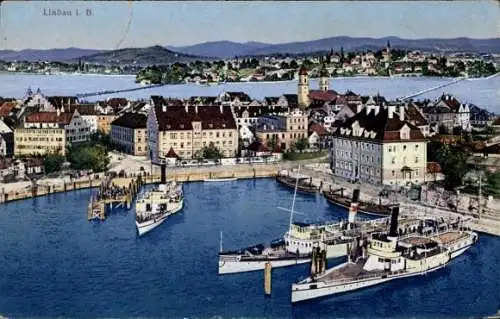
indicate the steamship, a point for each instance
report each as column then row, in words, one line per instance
column 154, row 206
column 382, row 257
column 337, row 197
column 303, row 184
column 297, row 245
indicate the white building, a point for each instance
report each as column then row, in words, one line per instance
column 377, row 145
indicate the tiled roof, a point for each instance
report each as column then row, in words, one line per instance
column 117, row 102
column 49, row 117
column 292, row 100
column 496, row 122
column 413, row 115
column 385, row 128
column 131, row 120
column 242, row 96
column 302, row 71
column 33, row 162
column 271, row 100
column 256, row 111
column 60, row 101
column 329, row 95
column 319, row 129
column 450, row 101
column 6, row 108
column 5, row 163
column 83, row 109
column 211, row 117
column 205, row 100
column 433, row 168
column 171, row 153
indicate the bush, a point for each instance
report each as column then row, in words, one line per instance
column 89, row 156
column 53, row 163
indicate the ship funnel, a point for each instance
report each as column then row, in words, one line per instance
column 353, row 209
column 163, row 167
column 393, row 232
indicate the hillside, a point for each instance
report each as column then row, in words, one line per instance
column 141, row 56
column 52, row 55
column 223, row 49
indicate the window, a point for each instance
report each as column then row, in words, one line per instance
column 393, row 160
column 393, row 173
column 416, row 159
column 404, row 147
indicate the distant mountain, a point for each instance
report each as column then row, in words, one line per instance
column 141, row 56
column 220, row 49
column 45, row 55
column 224, row 49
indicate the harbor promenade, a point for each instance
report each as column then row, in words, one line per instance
column 24, row 190
column 488, row 222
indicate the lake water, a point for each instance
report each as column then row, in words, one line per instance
column 53, row 262
column 482, row 92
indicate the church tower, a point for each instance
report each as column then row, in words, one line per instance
column 324, row 78
column 303, row 88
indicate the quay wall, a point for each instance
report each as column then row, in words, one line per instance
column 180, row 175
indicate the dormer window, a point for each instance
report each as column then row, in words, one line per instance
column 223, row 125
column 210, row 125
column 181, row 125
column 168, row 126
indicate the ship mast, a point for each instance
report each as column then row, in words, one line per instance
column 220, row 243
column 293, row 201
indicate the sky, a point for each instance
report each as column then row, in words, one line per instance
column 121, row 24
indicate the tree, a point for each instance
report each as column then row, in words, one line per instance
column 211, row 152
column 89, row 156
column 301, row 144
column 293, row 64
column 492, row 186
column 272, row 142
column 53, row 162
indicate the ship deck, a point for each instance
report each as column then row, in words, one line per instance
column 450, row 237
column 417, row 241
column 350, row 271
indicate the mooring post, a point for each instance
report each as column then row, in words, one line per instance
column 267, row 278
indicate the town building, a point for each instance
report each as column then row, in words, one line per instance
column 284, row 130
column 129, row 133
column 39, row 141
column 6, row 140
column 189, row 129
column 378, row 145
column 448, row 112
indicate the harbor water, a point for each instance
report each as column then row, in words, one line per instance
column 53, row 262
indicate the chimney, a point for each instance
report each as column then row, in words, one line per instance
column 390, row 111
column 221, row 109
column 196, row 108
column 186, row 108
column 393, row 231
column 58, row 111
column 401, row 113
column 164, row 107
column 163, row 173
column 353, row 209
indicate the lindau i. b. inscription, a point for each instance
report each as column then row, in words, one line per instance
column 58, row 12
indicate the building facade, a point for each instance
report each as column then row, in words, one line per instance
column 379, row 146
column 39, row 141
column 285, row 130
column 129, row 133
column 190, row 129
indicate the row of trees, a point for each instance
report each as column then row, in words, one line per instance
column 91, row 155
column 453, row 162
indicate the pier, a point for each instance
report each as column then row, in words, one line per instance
column 432, row 89
column 115, row 193
column 89, row 94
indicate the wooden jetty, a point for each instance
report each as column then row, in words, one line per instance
column 127, row 188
